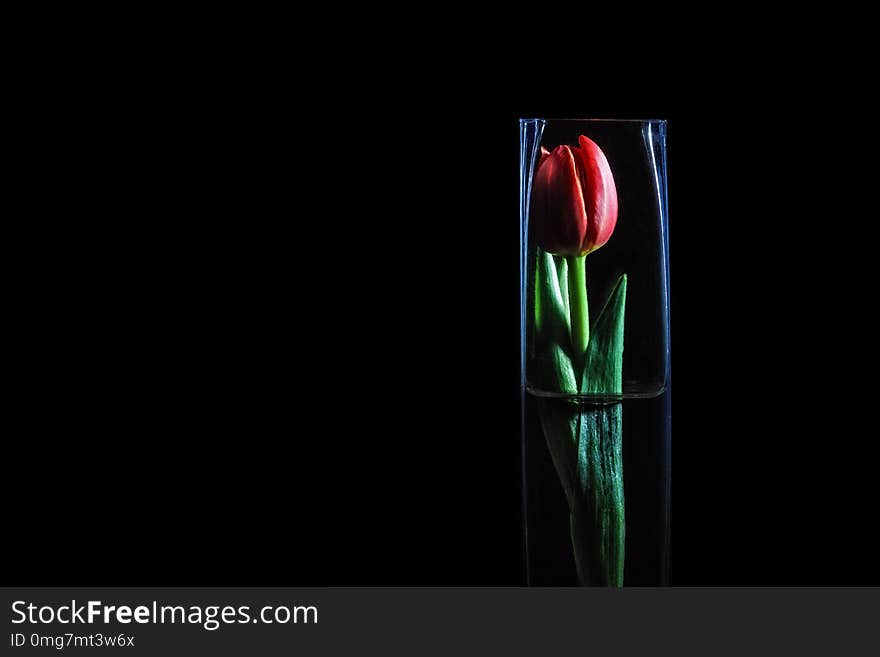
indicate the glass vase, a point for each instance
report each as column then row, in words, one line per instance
column 595, row 362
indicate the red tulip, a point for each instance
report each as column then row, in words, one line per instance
column 574, row 200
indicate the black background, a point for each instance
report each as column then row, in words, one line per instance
column 269, row 332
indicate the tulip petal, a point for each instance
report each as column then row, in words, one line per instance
column 600, row 194
column 559, row 218
column 543, row 156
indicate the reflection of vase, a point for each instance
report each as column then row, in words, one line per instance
column 596, row 422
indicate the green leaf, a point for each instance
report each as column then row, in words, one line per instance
column 562, row 276
column 553, row 344
column 551, row 302
column 603, row 371
column 554, row 369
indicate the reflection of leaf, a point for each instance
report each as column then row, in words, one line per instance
column 560, row 420
column 603, row 372
column 585, row 445
column 598, row 527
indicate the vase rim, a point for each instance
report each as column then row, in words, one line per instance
column 593, row 120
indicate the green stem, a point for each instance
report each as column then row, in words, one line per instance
column 577, row 300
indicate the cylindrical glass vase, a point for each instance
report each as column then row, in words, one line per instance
column 594, row 295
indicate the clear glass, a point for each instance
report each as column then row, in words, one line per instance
column 596, row 458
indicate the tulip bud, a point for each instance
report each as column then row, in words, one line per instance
column 574, row 200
